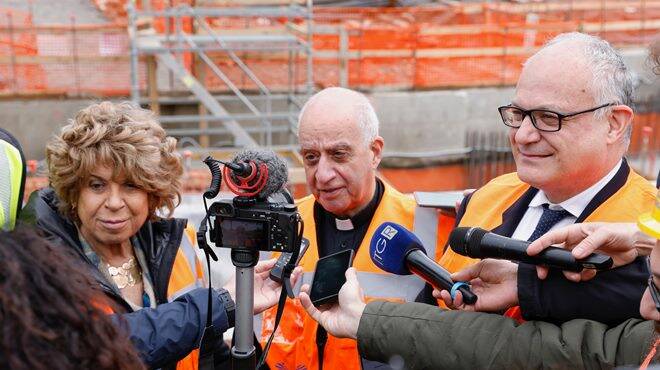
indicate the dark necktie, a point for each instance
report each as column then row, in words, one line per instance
column 549, row 218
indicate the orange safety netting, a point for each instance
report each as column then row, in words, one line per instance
column 478, row 44
column 14, row 47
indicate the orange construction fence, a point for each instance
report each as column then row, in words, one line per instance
column 439, row 46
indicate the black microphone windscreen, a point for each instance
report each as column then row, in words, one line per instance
column 278, row 172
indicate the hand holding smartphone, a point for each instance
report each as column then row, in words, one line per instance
column 329, row 277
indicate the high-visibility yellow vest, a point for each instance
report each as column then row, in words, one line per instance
column 12, row 180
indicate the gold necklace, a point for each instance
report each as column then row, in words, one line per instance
column 126, row 275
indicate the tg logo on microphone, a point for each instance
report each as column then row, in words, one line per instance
column 389, row 232
column 381, row 244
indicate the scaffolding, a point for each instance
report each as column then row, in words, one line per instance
column 182, row 44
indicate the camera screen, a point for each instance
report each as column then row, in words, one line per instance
column 244, row 234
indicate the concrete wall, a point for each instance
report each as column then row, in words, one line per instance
column 435, row 121
column 410, row 121
column 33, row 122
column 58, row 11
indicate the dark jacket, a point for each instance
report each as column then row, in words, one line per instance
column 162, row 335
column 429, row 338
column 557, row 299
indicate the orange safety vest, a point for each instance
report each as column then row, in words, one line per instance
column 187, row 274
column 294, row 344
column 488, row 204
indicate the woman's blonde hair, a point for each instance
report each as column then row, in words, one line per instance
column 126, row 138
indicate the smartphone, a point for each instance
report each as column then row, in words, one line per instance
column 329, row 276
column 445, row 200
column 277, row 270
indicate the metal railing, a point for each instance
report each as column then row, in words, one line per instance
column 175, row 50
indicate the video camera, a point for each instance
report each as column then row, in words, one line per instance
column 262, row 216
column 263, row 226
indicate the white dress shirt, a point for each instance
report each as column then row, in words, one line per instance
column 574, row 205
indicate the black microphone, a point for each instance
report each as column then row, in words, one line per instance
column 478, row 243
column 398, row 251
column 242, row 169
column 278, row 172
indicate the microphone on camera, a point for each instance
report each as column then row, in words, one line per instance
column 250, row 173
column 256, row 172
column 398, row 251
column 475, row 242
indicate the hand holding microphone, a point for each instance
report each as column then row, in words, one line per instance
column 475, row 242
column 494, row 282
column 622, row 241
column 398, row 251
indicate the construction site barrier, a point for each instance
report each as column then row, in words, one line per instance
column 439, row 46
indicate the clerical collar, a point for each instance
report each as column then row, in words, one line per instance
column 364, row 216
column 344, row 225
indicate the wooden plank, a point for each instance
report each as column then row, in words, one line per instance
column 472, row 29
column 343, row 58
column 200, row 74
column 66, row 29
column 62, row 59
column 559, row 27
column 407, row 53
column 574, row 5
column 622, row 26
column 264, row 30
column 247, row 2
column 152, row 84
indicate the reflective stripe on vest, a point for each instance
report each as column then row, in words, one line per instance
column 379, row 286
column 187, row 273
column 11, row 171
column 426, row 228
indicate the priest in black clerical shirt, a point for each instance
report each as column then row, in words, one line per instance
column 341, row 150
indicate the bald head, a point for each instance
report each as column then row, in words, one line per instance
column 346, row 107
column 609, row 79
column 341, row 149
column 560, row 67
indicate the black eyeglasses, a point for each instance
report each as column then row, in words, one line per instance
column 542, row 119
column 655, row 294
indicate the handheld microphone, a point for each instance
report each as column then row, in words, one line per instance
column 398, row 251
column 478, row 243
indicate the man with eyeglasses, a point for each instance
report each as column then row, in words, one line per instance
column 569, row 126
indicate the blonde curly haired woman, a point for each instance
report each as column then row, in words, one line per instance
column 113, row 174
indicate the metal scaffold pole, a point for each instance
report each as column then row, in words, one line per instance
column 132, row 35
column 244, row 98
